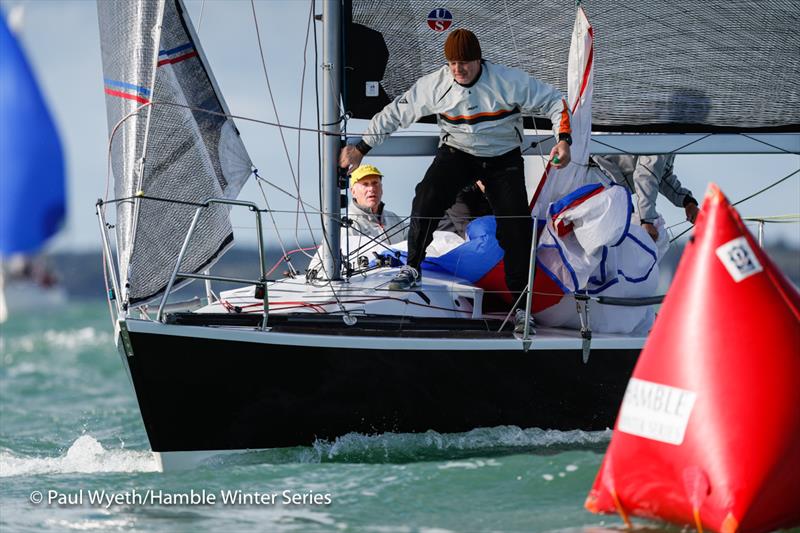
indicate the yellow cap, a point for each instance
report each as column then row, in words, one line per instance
column 362, row 172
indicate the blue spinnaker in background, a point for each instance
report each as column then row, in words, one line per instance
column 32, row 191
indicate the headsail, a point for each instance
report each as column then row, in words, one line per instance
column 558, row 182
column 32, row 191
column 181, row 147
column 680, row 66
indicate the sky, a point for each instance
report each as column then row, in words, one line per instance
column 61, row 40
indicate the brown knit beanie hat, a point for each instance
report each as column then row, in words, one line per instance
column 462, row 45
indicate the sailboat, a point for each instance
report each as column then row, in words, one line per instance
column 32, row 187
column 284, row 362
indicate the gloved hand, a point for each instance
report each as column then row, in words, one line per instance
column 350, row 157
column 691, row 212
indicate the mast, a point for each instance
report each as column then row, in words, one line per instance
column 331, row 207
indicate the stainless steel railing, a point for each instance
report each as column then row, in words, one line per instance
column 261, row 283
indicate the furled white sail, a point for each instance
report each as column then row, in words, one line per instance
column 178, row 150
column 556, row 183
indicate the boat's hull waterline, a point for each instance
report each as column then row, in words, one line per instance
column 206, row 388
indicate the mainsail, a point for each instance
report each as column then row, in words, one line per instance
column 178, row 147
column 680, row 66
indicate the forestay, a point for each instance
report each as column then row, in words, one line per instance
column 180, row 147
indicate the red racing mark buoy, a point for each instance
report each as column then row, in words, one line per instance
column 709, row 430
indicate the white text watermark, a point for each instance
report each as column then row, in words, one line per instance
column 192, row 497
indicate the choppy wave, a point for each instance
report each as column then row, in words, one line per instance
column 393, row 447
column 86, row 455
column 431, row 445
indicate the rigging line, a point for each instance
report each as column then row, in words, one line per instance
column 336, row 163
column 278, row 125
column 200, row 21
column 672, row 152
column 768, row 187
column 785, row 151
column 156, row 198
column 261, row 180
column 373, row 242
column 275, row 225
column 345, row 116
column 316, row 102
column 390, row 232
column 676, row 224
column 295, row 178
column 300, row 121
column 510, row 25
column 269, row 88
column 286, row 258
column 315, row 210
column 513, row 35
column 775, row 219
column 704, row 137
column 275, row 107
column 322, row 215
column 396, row 229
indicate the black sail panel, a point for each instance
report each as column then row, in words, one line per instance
column 680, row 66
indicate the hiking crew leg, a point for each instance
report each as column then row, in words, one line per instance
column 449, row 172
column 504, row 178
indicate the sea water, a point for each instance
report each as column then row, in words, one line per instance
column 74, row 456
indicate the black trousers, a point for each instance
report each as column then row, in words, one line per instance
column 504, row 179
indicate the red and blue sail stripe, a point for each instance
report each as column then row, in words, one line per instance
column 177, row 54
column 128, row 91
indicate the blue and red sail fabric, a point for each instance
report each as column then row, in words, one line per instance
column 593, row 243
column 140, row 94
column 708, row 434
column 32, row 188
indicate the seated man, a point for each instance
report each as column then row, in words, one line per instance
column 646, row 176
column 366, row 211
column 370, row 227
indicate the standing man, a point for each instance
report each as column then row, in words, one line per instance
column 646, row 176
column 479, row 107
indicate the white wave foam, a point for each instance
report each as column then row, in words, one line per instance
column 86, row 455
column 469, row 465
column 396, row 446
column 90, row 525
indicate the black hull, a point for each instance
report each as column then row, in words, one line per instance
column 207, row 394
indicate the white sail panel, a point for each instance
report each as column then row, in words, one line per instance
column 180, row 147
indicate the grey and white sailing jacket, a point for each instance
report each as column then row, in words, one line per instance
column 483, row 119
column 385, row 226
column 369, row 232
column 646, row 176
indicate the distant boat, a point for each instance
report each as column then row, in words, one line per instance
column 32, row 188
